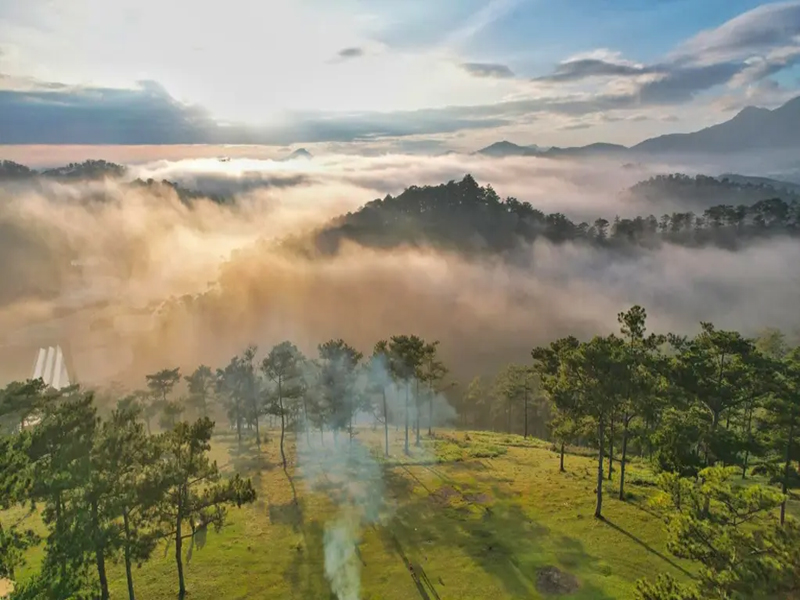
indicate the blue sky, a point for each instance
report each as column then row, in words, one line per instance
column 449, row 73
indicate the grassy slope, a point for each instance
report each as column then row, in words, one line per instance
column 479, row 528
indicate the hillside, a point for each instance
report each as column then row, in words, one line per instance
column 470, row 218
column 751, row 129
column 701, row 191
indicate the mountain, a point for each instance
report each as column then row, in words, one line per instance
column 505, row 148
column 751, row 129
column 299, row 153
column 597, row 149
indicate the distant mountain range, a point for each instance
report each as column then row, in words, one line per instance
column 752, row 129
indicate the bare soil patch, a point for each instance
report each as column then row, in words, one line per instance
column 554, row 581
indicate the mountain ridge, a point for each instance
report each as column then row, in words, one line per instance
column 752, row 128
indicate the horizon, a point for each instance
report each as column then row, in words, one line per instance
column 393, row 78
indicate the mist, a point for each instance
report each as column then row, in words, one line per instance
column 140, row 281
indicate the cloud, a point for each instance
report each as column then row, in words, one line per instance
column 352, row 52
column 143, row 248
column 488, row 70
column 54, row 113
column 755, row 31
column 742, row 54
column 600, row 63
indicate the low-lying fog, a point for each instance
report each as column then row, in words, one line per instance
column 90, row 275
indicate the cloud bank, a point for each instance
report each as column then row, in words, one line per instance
column 98, row 275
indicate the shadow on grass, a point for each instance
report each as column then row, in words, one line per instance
column 646, row 546
column 504, row 542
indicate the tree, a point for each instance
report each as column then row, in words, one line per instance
column 517, row 384
column 60, row 452
column 379, row 378
column 741, row 550
column 548, row 365
column 127, row 484
column 14, row 485
column 591, row 373
column 229, row 385
column 195, row 494
column 710, row 369
column 283, row 366
column 19, row 401
column 781, row 419
column 162, row 382
column 642, row 375
column 431, row 373
column 339, row 362
column 201, row 385
column 407, row 353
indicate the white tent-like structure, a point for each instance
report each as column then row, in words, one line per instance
column 51, row 367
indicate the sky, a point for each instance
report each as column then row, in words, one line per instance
column 410, row 74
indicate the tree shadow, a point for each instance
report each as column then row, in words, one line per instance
column 647, row 547
column 489, row 534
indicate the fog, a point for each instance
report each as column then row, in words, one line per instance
column 97, row 277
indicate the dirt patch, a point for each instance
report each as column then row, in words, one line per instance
column 477, row 498
column 444, row 494
column 554, row 581
column 6, row 587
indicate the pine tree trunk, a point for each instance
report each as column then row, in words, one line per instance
column 785, row 485
column 408, row 393
column 99, row 553
column 430, row 415
column 623, row 459
column 305, row 419
column 749, row 441
column 283, row 423
column 561, row 465
column 385, row 425
column 611, row 450
column 600, row 436
column 179, row 552
column 127, row 552
column 416, row 404
column 526, row 413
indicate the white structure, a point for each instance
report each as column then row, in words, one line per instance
column 51, row 367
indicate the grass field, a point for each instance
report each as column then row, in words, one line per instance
column 485, row 518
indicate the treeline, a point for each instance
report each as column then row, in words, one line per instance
column 107, row 489
column 701, row 409
column 467, row 217
column 112, row 486
column 704, row 190
column 89, row 169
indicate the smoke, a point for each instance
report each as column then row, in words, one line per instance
column 132, row 280
column 347, row 469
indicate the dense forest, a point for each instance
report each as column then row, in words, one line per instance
column 469, row 217
column 704, row 191
column 118, row 471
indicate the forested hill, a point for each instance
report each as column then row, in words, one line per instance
column 468, row 217
column 93, row 170
column 702, row 191
column 90, row 169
